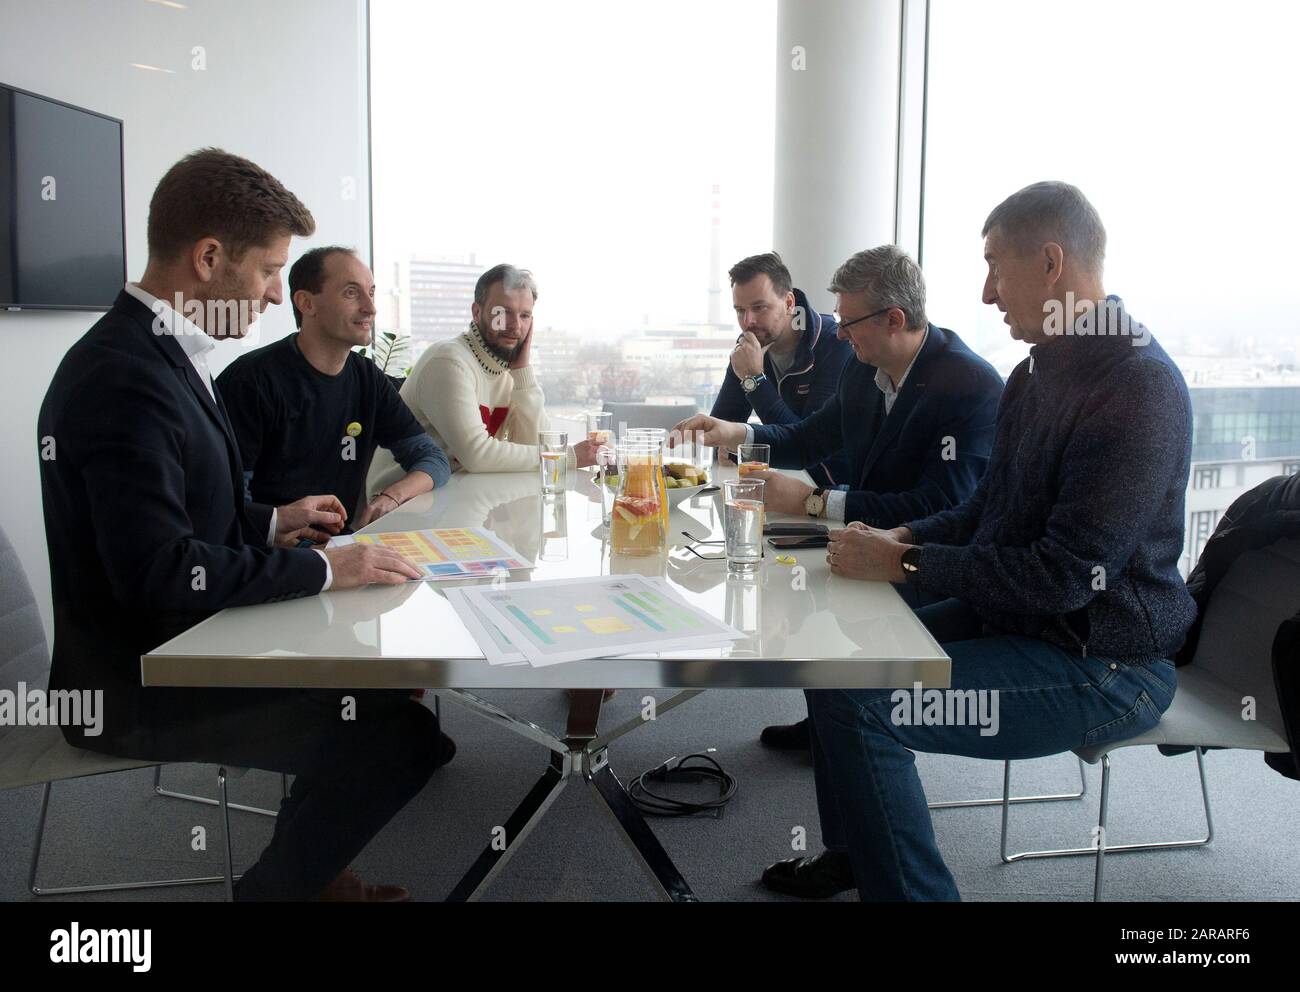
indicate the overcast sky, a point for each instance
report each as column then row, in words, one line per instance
column 582, row 140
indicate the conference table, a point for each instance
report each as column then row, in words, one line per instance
column 803, row 628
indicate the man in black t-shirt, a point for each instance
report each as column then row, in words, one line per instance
column 309, row 412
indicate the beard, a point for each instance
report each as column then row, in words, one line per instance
column 228, row 309
column 506, row 355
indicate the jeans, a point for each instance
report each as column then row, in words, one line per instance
column 1048, row 701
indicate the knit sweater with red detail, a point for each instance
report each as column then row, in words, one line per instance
column 482, row 413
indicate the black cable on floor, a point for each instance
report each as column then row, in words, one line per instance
column 648, row 801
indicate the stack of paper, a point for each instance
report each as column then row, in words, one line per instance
column 446, row 553
column 545, row 623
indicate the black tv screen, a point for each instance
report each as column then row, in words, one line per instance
column 62, row 232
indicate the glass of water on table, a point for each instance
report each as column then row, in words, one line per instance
column 554, row 460
column 742, row 520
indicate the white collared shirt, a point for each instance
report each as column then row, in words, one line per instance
column 192, row 339
column 196, row 344
column 887, row 386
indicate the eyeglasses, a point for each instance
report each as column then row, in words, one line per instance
column 858, row 320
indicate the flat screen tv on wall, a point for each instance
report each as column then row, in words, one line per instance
column 62, row 230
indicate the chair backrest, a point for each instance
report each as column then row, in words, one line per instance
column 649, row 414
column 24, row 656
column 1261, row 589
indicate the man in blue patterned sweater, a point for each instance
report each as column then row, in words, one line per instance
column 1063, row 602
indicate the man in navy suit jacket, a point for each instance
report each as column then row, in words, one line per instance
column 148, row 533
column 915, row 416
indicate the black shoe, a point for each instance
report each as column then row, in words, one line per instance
column 446, row 750
column 787, row 737
column 820, row 877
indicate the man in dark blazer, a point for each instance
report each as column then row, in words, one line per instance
column 148, row 533
column 915, row 415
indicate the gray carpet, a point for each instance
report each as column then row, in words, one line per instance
column 114, row 827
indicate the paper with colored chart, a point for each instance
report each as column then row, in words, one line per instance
column 496, row 647
column 446, row 553
column 573, row 619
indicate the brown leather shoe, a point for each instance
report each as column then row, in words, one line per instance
column 348, row 887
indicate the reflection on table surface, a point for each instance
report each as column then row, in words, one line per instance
column 792, row 613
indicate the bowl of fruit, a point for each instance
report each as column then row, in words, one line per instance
column 684, row 480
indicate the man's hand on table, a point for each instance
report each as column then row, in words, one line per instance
column 862, row 552
column 316, row 518
column 782, row 493
column 709, row 431
column 588, row 453
column 356, row 565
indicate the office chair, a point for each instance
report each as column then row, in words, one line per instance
column 40, row 755
column 649, row 415
column 1233, row 663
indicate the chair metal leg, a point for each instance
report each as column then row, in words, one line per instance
column 188, row 797
column 999, row 800
column 1102, row 847
column 225, row 835
column 63, row 890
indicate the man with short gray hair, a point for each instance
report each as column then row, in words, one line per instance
column 477, row 395
column 914, row 415
column 1062, row 605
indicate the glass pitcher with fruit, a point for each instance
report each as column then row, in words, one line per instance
column 638, row 523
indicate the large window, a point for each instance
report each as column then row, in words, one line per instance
column 1176, row 120
column 623, row 154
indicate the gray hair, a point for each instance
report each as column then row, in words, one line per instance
column 504, row 273
column 889, row 278
column 1051, row 211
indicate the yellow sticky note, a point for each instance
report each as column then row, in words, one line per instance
column 584, row 608
column 542, row 613
column 564, row 630
column 606, row 625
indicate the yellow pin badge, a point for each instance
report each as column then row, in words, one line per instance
column 354, row 429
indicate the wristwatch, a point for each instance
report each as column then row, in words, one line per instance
column 815, row 502
column 911, row 562
column 752, row 382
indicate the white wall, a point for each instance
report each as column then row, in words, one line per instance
column 284, row 85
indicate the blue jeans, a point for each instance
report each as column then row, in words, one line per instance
column 1048, row 701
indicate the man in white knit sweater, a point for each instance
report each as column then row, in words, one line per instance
column 476, row 394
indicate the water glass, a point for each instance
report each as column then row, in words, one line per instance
column 742, row 522
column 554, row 460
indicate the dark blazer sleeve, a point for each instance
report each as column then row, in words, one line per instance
column 133, row 468
column 805, row 442
column 731, row 403
column 971, row 423
column 256, row 523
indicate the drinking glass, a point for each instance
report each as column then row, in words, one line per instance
column 554, row 460
column 742, row 523
column 753, row 458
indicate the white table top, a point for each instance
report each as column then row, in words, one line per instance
column 806, row 628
